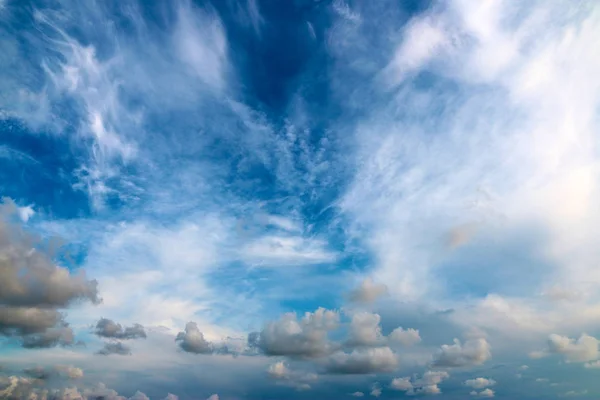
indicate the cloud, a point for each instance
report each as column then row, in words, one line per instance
column 307, row 337
column 60, row 371
column 33, row 287
column 28, row 277
column 365, row 330
column 592, row 364
column 426, row 384
column 275, row 251
column 368, row 291
column 50, row 337
column 109, row 329
column 585, row 348
column 483, row 393
column 357, row 394
column 480, row 383
column 406, row 337
column 114, row 348
column 573, row 393
column 299, row 380
column 192, row 340
column 363, row 361
column 201, row 44
column 375, row 390
column 472, row 352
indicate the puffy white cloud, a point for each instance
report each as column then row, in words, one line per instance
column 365, row 329
column 406, row 337
column 357, row 394
column 426, row 384
column 480, row 383
column 472, row 352
column 307, row 337
column 368, row 291
column 363, row 361
column 585, row 348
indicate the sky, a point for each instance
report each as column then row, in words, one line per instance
column 299, row 199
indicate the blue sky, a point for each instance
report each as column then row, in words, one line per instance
column 247, row 199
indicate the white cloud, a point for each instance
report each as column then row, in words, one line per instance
column 365, row 329
column 201, row 44
column 406, row 337
column 472, row 352
column 307, row 337
column 363, row 361
column 480, row 383
column 505, row 124
column 357, row 394
column 585, row 348
column 275, row 251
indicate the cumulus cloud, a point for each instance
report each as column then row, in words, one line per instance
column 484, row 393
column 33, row 287
column 365, row 330
column 109, row 329
column 114, row 348
column 192, row 340
column 368, row 291
column 29, row 277
column 406, row 337
column 480, row 383
column 357, row 394
column 472, row 352
column 585, row 348
column 307, row 337
column 426, row 384
column 363, row 361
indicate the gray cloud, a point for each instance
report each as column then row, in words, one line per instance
column 426, row 384
column 192, row 340
column 474, row 351
column 109, row 329
column 28, row 277
column 114, row 348
column 33, row 288
column 49, row 338
column 307, row 337
column 57, row 371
